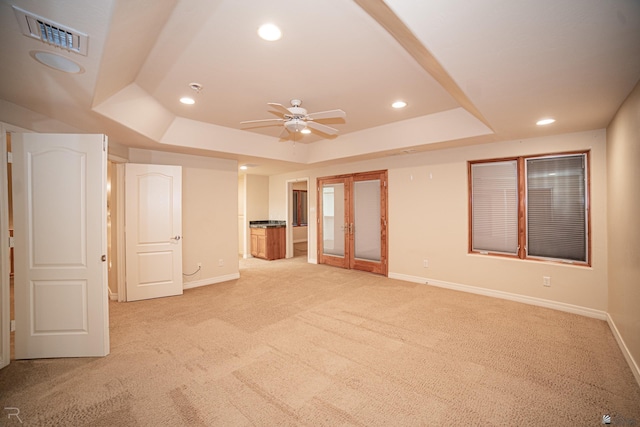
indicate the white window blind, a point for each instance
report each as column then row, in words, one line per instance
column 495, row 206
column 556, row 207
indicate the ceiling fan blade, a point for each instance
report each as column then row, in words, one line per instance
column 274, row 121
column 285, row 134
column 331, row 114
column 322, row 128
column 281, row 108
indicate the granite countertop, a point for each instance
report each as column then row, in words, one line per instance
column 267, row 224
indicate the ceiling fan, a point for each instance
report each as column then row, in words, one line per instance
column 296, row 118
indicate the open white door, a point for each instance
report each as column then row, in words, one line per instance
column 5, row 265
column 60, row 280
column 153, row 222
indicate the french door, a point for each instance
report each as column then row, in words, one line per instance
column 352, row 221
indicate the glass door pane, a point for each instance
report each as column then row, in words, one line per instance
column 367, row 219
column 333, row 219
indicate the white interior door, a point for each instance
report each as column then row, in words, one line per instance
column 153, row 222
column 60, row 280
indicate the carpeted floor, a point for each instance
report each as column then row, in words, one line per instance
column 296, row 344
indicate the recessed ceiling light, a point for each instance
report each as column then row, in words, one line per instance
column 399, row 104
column 244, row 167
column 269, row 32
column 545, row 122
column 56, row 62
column 187, row 100
column 305, row 131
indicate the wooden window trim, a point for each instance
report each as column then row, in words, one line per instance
column 522, row 221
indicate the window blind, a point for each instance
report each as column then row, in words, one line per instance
column 556, row 202
column 495, row 206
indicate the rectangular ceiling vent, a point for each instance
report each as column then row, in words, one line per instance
column 51, row 33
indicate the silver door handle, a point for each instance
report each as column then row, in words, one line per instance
column 176, row 238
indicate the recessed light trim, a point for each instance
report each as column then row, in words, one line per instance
column 188, row 101
column 244, row 167
column 544, row 122
column 57, row 62
column 399, row 104
column 269, row 32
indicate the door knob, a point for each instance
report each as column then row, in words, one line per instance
column 176, row 238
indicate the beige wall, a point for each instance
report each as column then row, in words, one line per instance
column 623, row 178
column 209, row 213
column 428, row 219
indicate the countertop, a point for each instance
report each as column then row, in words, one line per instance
column 267, row 224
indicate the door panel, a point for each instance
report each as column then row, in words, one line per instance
column 153, row 218
column 61, row 299
column 360, row 221
column 333, row 209
column 366, row 214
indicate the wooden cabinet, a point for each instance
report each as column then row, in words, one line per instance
column 268, row 243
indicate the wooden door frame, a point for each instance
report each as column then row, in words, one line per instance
column 333, row 260
column 349, row 260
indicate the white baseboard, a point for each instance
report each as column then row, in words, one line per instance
column 300, row 241
column 113, row 296
column 570, row 308
column 625, row 350
column 210, row 281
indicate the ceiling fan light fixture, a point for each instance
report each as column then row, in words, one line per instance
column 188, row 101
column 295, row 125
column 269, row 32
column 306, row 131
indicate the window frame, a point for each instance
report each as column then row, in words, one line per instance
column 521, row 252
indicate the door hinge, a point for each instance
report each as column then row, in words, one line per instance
column 12, row 241
column 9, row 157
column 385, row 183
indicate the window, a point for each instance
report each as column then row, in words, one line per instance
column 299, row 208
column 533, row 207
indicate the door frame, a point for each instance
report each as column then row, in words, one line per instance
column 289, row 204
column 349, row 261
column 5, row 277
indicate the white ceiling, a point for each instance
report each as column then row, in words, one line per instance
column 471, row 72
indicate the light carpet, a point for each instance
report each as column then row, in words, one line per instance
column 291, row 343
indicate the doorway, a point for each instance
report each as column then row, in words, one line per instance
column 352, row 226
column 299, row 218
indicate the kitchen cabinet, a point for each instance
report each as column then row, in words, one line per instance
column 268, row 242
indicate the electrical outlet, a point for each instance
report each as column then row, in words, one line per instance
column 220, row 262
column 546, row 281
column 425, row 263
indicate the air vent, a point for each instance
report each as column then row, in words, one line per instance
column 51, row 33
